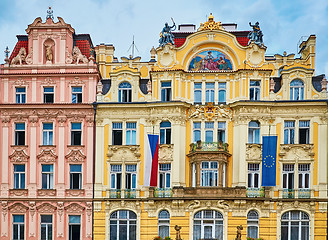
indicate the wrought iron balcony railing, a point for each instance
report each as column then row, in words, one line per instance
column 304, row 193
column 115, row 193
column 288, row 193
column 255, row 192
column 163, row 192
column 209, row 146
column 130, row 193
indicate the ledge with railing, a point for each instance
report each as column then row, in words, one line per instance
column 163, row 192
column 255, row 192
column 209, row 147
column 296, row 193
column 122, row 193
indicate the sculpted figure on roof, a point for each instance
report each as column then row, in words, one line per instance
column 256, row 35
column 166, row 36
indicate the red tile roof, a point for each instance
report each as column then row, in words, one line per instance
column 179, row 41
column 243, row 41
column 84, row 46
column 18, row 46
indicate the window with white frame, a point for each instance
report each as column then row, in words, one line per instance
column 117, row 133
column 116, row 176
column 166, row 91
column 295, row 225
column 48, row 94
column 209, row 92
column 209, row 131
column 76, row 94
column 131, row 133
column 208, row 224
column 20, row 94
column 197, row 132
column 198, row 93
column 296, row 90
column 221, row 131
column 74, row 224
column 288, row 176
column 165, row 133
column 19, row 134
column 123, row 225
column 304, row 132
column 209, row 174
column 253, row 175
column 254, row 90
column 131, row 176
column 125, row 92
column 289, row 132
column 47, row 133
column 164, row 173
column 76, row 133
column 304, row 176
column 254, row 132
column 75, row 176
column 46, row 227
column 222, row 92
column 164, row 224
column 19, row 176
column 18, row 227
column 47, row 176
column 253, row 224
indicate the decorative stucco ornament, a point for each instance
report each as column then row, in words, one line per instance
column 256, row 35
column 211, row 25
column 50, row 14
column 7, row 54
column 166, row 35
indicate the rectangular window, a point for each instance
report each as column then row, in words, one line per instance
column 209, row 92
column 209, row 174
column 165, row 133
column 20, row 95
column 19, row 133
column 166, row 91
column 254, row 90
column 209, row 130
column 115, row 176
column 75, row 176
column 304, row 132
column 131, row 176
column 221, row 131
column 76, row 134
column 48, row 95
column 46, row 227
column 131, row 133
column 47, row 176
column 197, row 131
column 222, row 92
column 76, row 94
column 253, row 175
column 198, row 93
column 74, row 227
column 47, row 134
column 19, row 176
column 289, row 132
column 304, row 176
column 288, row 176
column 117, row 133
column 18, row 227
column 164, row 175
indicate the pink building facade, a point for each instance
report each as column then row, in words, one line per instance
column 47, row 87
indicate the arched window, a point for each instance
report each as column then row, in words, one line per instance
column 123, row 225
column 296, row 90
column 164, row 224
column 254, row 132
column 208, row 224
column 253, row 224
column 165, row 133
column 295, row 225
column 125, row 92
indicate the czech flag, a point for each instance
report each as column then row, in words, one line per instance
column 151, row 163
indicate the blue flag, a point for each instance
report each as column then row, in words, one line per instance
column 269, row 152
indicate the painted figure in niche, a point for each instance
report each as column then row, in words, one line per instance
column 210, row 61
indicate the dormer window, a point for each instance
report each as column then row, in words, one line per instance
column 125, row 92
column 296, row 90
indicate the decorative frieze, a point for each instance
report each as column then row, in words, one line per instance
column 165, row 153
column 74, row 192
column 295, row 152
column 123, row 153
column 46, row 192
column 253, row 152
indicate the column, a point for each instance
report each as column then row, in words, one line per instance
column 89, row 159
column 4, row 156
column 61, row 157
column 99, row 163
column 31, row 168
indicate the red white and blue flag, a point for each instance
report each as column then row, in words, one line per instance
column 151, row 163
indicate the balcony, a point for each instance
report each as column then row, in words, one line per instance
column 208, row 147
column 255, row 192
column 130, row 193
column 115, row 193
column 123, row 193
column 163, row 192
column 288, row 193
column 304, row 193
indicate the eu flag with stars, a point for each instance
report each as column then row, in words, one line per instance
column 269, row 152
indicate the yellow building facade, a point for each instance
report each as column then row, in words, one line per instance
column 211, row 98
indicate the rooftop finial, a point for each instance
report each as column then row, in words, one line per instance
column 50, row 13
column 7, row 54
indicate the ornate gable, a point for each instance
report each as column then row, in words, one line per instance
column 75, row 156
column 46, row 208
column 18, row 208
column 19, row 156
column 74, row 208
column 47, row 156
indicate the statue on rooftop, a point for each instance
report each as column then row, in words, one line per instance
column 256, row 35
column 166, row 36
column 50, row 13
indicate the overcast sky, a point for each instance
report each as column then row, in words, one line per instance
column 283, row 22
